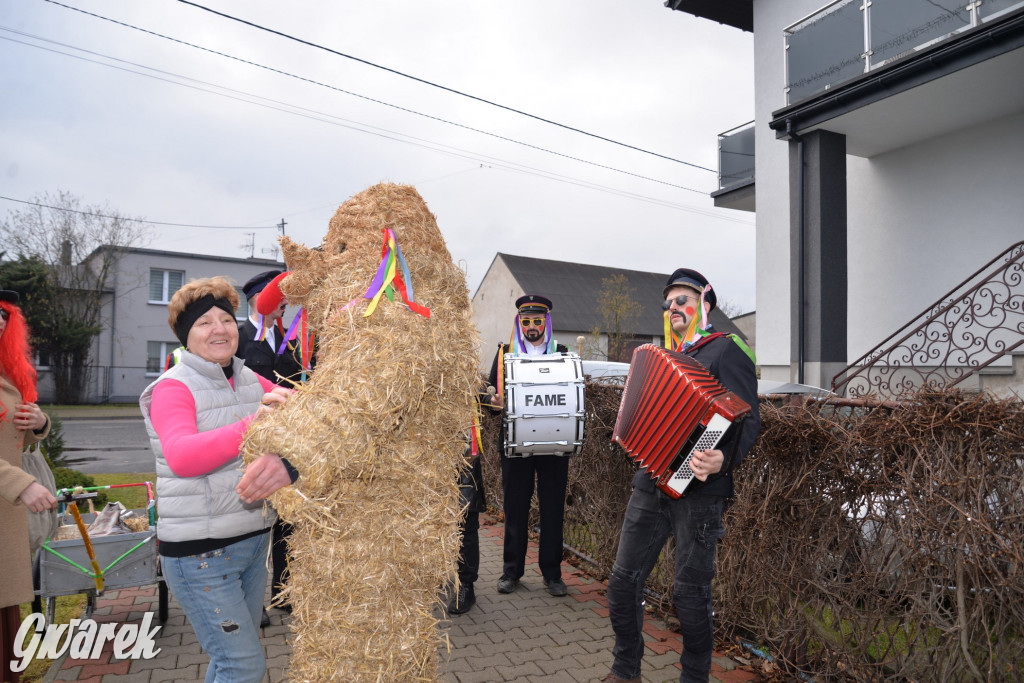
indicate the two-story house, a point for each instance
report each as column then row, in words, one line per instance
column 888, row 151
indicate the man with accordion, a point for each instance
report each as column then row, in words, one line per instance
column 692, row 514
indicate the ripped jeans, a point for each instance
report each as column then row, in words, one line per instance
column 696, row 524
column 222, row 592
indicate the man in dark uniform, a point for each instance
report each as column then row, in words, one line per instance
column 532, row 336
column 695, row 520
column 261, row 356
column 471, row 490
column 283, row 369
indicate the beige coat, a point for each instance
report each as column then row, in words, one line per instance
column 15, row 563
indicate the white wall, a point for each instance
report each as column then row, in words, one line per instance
column 920, row 219
column 923, row 218
column 771, row 170
column 494, row 307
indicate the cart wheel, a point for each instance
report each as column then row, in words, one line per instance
column 162, row 592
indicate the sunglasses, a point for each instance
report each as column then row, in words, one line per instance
column 536, row 322
column 680, row 301
column 4, row 314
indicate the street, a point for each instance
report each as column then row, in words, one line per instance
column 116, row 444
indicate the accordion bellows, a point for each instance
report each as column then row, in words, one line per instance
column 672, row 406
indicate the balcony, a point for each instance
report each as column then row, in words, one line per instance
column 892, row 73
column 848, row 38
column 736, row 169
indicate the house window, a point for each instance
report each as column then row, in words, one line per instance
column 163, row 284
column 156, row 355
column 243, row 306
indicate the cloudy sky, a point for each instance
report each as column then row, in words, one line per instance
column 170, row 112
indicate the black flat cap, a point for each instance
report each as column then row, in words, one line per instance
column 9, row 296
column 256, row 283
column 687, row 277
column 533, row 303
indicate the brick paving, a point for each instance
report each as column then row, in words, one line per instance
column 524, row 636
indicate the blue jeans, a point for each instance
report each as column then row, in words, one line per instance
column 222, row 593
column 696, row 524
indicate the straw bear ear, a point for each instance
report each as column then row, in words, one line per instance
column 271, row 297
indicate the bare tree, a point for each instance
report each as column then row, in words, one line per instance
column 619, row 312
column 80, row 246
column 730, row 308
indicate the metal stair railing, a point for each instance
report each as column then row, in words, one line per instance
column 967, row 329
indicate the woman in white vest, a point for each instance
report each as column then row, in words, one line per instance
column 213, row 525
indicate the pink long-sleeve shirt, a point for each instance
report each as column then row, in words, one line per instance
column 189, row 452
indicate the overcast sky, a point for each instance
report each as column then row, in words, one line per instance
column 169, row 132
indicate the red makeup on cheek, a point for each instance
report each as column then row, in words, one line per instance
column 688, row 311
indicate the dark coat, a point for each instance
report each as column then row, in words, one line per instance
column 263, row 359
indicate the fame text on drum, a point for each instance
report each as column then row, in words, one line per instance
column 544, row 404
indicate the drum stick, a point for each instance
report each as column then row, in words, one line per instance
column 579, row 344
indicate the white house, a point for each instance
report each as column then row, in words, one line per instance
column 888, row 157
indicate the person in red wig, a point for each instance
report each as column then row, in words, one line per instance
column 21, row 423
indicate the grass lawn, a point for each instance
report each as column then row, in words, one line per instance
column 133, row 497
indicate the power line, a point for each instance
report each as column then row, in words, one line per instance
column 330, row 87
column 441, row 87
column 138, row 220
column 368, row 129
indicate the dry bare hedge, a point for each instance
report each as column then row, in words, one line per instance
column 865, row 543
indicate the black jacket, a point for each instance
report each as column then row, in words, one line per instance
column 264, row 360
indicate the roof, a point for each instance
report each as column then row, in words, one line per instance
column 190, row 255
column 736, row 13
column 574, row 288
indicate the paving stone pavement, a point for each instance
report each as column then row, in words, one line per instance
column 523, row 636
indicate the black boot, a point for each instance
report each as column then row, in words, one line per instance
column 463, row 599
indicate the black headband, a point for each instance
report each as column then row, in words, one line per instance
column 194, row 311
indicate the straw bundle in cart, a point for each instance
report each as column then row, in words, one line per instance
column 377, row 434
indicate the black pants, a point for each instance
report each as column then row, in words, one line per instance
column 279, row 556
column 471, row 487
column 517, row 480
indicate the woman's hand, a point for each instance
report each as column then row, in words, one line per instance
column 274, row 398
column 263, row 476
column 28, row 416
column 37, row 498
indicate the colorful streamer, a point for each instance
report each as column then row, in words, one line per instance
column 388, row 279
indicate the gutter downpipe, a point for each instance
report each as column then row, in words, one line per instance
column 114, row 327
column 800, row 249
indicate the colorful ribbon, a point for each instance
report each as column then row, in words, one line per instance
column 476, row 442
column 388, row 279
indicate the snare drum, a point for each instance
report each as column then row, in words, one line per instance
column 543, row 404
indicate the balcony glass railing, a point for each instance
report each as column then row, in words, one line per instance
column 736, row 156
column 847, row 38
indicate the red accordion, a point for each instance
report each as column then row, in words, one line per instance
column 671, row 406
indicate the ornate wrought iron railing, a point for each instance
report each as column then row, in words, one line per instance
column 972, row 326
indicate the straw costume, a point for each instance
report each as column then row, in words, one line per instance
column 377, row 432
